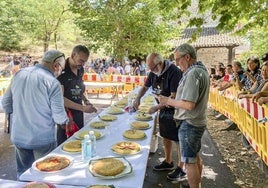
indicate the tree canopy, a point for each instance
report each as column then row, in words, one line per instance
column 125, row 27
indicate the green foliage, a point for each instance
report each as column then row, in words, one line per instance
column 123, row 28
column 26, row 23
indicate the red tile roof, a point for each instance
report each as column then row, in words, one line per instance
column 209, row 37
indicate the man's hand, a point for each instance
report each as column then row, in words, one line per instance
column 136, row 103
column 88, row 103
column 89, row 109
column 256, row 96
column 262, row 100
column 163, row 100
column 152, row 110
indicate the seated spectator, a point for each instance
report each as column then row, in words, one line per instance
column 260, row 97
column 252, row 74
column 212, row 74
column 238, row 73
column 226, row 79
column 220, row 73
column 262, row 85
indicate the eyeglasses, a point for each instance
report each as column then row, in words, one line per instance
column 59, row 63
column 62, row 55
column 152, row 69
column 179, row 58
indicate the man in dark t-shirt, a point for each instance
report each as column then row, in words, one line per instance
column 164, row 78
column 74, row 88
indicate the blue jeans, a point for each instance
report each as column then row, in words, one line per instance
column 26, row 157
column 190, row 141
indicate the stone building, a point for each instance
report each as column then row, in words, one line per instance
column 211, row 45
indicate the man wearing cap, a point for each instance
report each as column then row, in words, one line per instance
column 34, row 98
column 73, row 89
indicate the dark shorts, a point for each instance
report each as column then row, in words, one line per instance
column 167, row 126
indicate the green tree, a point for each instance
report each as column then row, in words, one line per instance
column 245, row 18
column 26, row 23
column 123, row 27
column 9, row 26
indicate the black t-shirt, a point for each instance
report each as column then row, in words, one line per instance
column 74, row 89
column 166, row 82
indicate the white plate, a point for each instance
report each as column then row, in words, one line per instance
column 140, row 117
column 128, row 169
column 76, row 135
column 145, row 128
column 120, row 111
column 69, row 152
column 52, row 155
column 125, row 154
column 104, row 124
column 113, row 117
column 135, row 138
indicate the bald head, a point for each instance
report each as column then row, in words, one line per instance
column 154, row 59
column 154, row 62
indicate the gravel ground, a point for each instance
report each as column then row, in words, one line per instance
column 243, row 162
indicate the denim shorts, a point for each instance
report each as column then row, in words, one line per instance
column 190, row 141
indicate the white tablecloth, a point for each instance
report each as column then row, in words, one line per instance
column 18, row 184
column 103, row 84
column 78, row 173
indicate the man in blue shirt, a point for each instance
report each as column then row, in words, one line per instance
column 35, row 100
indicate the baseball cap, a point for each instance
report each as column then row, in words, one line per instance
column 264, row 57
column 51, row 55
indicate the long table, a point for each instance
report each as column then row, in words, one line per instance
column 78, row 173
column 115, row 85
column 18, row 184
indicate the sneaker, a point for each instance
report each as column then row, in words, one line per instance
column 177, row 175
column 164, row 166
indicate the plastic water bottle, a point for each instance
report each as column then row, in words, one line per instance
column 86, row 148
column 92, row 138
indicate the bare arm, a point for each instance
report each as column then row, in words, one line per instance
column 161, row 106
column 187, row 105
column 72, row 105
column 142, row 91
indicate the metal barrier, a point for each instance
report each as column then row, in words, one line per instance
column 245, row 114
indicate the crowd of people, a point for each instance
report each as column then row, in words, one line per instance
column 111, row 66
column 100, row 66
column 14, row 63
column 251, row 81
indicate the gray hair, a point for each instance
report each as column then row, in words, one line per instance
column 237, row 63
column 157, row 58
column 186, row 49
